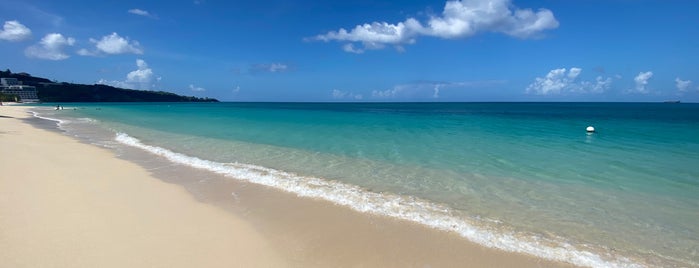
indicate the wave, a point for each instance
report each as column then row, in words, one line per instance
column 59, row 122
column 408, row 208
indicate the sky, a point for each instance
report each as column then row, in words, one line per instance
column 366, row 51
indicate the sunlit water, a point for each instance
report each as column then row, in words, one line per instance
column 522, row 177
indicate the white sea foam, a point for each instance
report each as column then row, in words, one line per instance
column 401, row 207
column 59, row 122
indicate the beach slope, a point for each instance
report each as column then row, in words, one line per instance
column 68, row 204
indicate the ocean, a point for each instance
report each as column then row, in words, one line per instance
column 522, row 177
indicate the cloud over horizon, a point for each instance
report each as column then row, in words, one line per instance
column 50, row 47
column 641, row 81
column 195, row 88
column 141, row 78
column 682, row 85
column 459, row 19
column 429, row 89
column 345, row 95
column 14, row 31
column 562, row 81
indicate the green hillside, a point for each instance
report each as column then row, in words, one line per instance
column 49, row 91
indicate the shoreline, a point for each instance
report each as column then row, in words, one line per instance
column 303, row 232
column 68, row 204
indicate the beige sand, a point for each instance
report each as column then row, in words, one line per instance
column 67, row 204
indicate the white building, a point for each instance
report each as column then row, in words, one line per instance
column 13, row 87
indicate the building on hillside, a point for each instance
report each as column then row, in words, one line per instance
column 13, row 87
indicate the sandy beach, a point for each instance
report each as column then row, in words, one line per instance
column 64, row 203
column 67, row 204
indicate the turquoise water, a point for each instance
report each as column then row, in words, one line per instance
column 522, row 177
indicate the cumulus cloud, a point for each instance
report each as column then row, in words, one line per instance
column 459, row 19
column 561, row 81
column 141, row 78
column 115, row 44
column 112, row 44
column 269, row 68
column 50, row 47
column 196, row 89
column 345, row 95
column 641, row 81
column 600, row 85
column 14, row 31
column 682, row 85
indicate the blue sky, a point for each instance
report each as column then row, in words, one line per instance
column 470, row 50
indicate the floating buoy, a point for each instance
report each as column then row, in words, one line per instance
column 590, row 129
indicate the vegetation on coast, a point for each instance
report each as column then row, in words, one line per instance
column 52, row 91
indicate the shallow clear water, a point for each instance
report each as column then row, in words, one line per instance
column 519, row 176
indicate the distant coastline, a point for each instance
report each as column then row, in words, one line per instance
column 53, row 91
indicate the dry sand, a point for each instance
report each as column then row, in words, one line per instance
column 68, row 204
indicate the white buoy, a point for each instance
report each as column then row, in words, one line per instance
column 590, row 129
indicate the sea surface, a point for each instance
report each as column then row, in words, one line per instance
column 522, row 177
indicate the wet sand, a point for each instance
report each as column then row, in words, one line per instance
column 69, row 204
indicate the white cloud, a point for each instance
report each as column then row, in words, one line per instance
column 196, row 89
column 115, row 44
column 373, row 36
column 14, row 31
column 561, row 81
column 269, row 68
column 141, row 78
column 50, row 47
column 429, row 89
column 277, row 67
column 574, row 72
column 553, row 82
column 349, row 47
column 641, row 81
column 460, row 19
column 600, row 85
column 344, row 95
column 682, row 85
column 142, row 12
column 85, row 52
column 468, row 17
column 139, row 12
column 112, row 44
